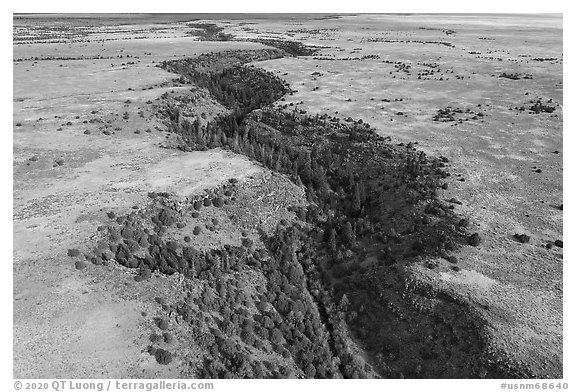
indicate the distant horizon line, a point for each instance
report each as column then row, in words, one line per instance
column 285, row 13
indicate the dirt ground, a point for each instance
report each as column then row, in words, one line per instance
column 503, row 194
column 89, row 323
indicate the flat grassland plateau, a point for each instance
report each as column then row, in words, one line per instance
column 287, row 196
